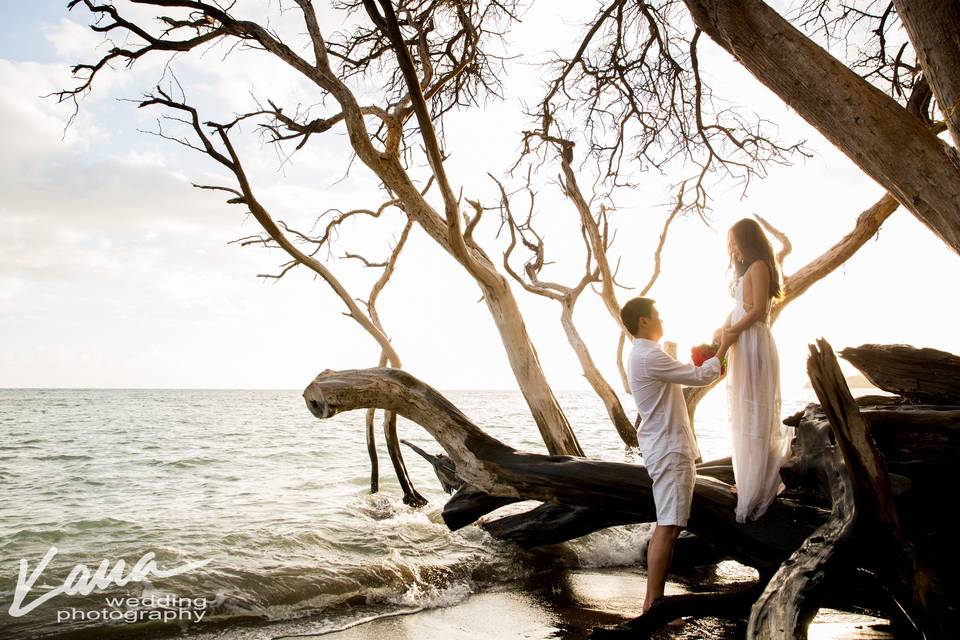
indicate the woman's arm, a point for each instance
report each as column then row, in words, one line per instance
column 759, row 275
column 718, row 334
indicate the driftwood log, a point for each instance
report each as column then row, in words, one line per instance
column 864, row 503
column 924, row 375
column 492, row 469
column 443, row 467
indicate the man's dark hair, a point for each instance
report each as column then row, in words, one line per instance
column 635, row 309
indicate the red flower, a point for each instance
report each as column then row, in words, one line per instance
column 703, row 352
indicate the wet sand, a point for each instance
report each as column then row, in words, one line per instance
column 564, row 604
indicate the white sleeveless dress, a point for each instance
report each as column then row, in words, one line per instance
column 761, row 442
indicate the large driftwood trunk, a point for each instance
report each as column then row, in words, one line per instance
column 884, row 543
column 794, row 593
column 496, row 473
column 884, row 505
column 890, row 144
column 923, row 375
column 881, row 462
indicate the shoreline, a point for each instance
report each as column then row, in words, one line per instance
column 562, row 603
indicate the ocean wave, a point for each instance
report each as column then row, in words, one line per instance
column 195, row 461
column 284, row 513
column 53, row 532
column 614, row 547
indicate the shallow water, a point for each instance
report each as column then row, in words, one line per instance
column 277, row 501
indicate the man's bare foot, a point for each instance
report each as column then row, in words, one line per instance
column 647, row 605
column 733, row 489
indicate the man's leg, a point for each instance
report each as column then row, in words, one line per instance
column 659, row 555
column 672, row 477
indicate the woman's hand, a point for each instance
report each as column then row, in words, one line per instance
column 718, row 335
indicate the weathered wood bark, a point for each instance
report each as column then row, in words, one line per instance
column 611, row 401
column 934, row 30
column 411, row 496
column 370, row 434
column 469, row 504
column 443, row 467
column 912, row 578
column 549, row 417
column 567, row 296
column 924, row 375
column 867, row 225
column 890, row 144
column 794, row 593
column 490, row 466
column 370, row 324
column 553, row 523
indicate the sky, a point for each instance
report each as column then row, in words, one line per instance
column 115, row 272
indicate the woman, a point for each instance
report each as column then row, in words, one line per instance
column 761, row 443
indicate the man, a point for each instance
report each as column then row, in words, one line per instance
column 666, row 439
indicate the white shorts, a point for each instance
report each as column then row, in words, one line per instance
column 673, row 478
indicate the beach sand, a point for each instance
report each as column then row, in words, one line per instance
column 564, row 604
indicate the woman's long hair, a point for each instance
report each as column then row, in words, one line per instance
column 754, row 245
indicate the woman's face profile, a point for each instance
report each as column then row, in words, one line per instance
column 732, row 246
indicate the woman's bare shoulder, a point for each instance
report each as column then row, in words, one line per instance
column 759, row 266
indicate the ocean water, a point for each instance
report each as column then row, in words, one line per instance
column 275, row 500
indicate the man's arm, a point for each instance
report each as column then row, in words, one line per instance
column 662, row 367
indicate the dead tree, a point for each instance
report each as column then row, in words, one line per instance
column 595, row 230
column 628, row 88
column 442, row 63
column 410, row 494
column 543, row 140
column 650, row 103
column 882, row 137
column 388, row 357
column 523, row 232
column 278, row 234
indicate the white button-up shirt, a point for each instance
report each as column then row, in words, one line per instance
column 655, row 380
